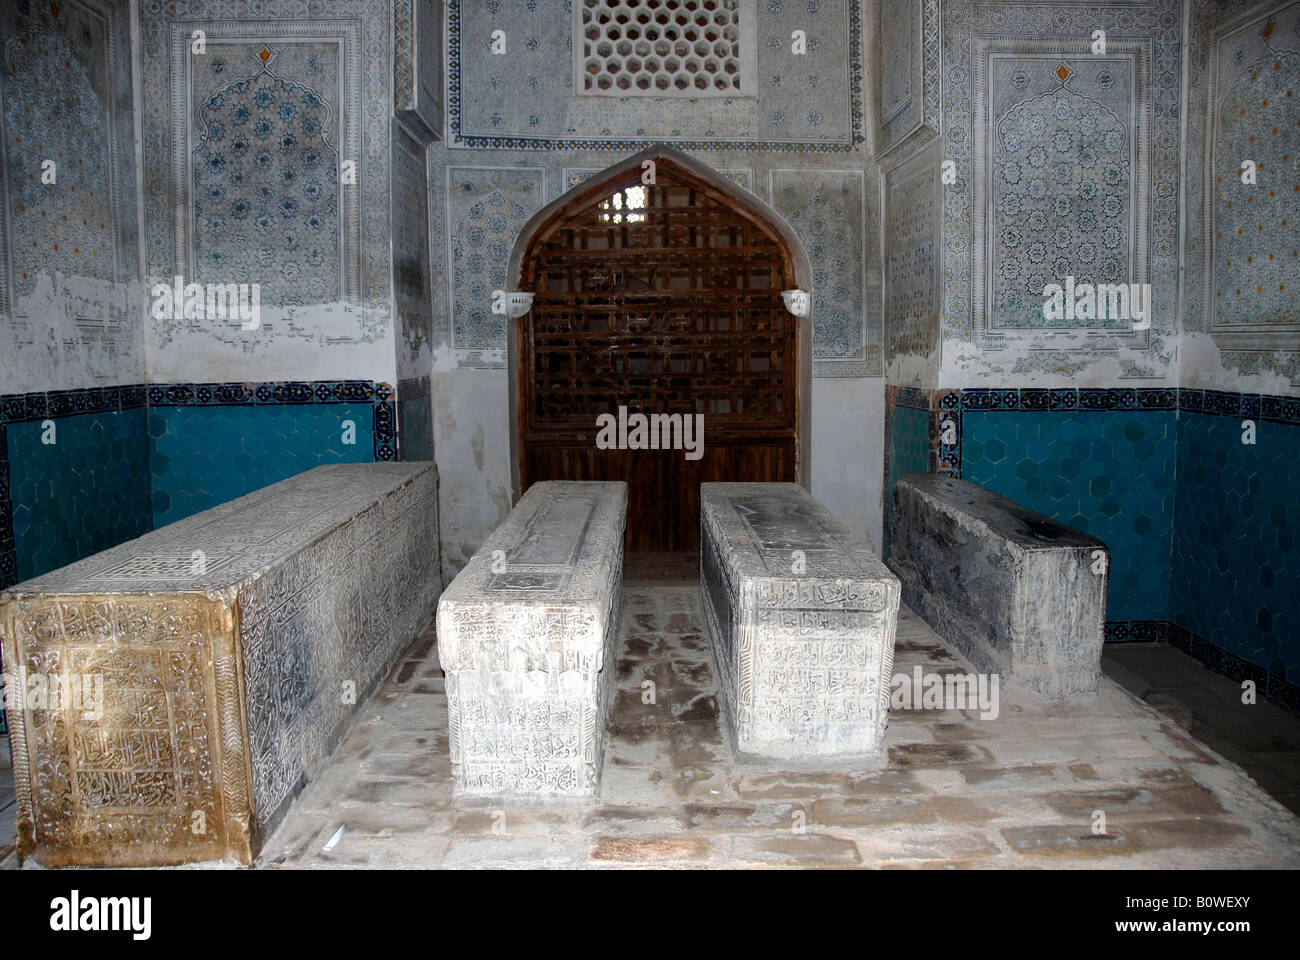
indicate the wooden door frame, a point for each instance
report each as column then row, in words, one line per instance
column 705, row 178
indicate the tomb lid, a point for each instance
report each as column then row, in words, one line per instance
column 556, row 546
column 1004, row 517
column 777, row 530
column 218, row 548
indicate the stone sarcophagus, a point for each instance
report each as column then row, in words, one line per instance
column 526, row 636
column 802, row 620
column 177, row 691
column 1015, row 592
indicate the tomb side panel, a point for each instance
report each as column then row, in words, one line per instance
column 320, row 630
column 139, row 757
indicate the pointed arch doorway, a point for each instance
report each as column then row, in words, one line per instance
column 660, row 298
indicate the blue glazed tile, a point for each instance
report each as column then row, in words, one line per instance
column 909, row 442
column 87, row 491
column 1108, row 474
column 1236, row 561
column 202, row 456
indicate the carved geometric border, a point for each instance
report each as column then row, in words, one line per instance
column 570, row 177
column 347, row 35
column 986, row 49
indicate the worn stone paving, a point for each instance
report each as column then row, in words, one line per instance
column 954, row 790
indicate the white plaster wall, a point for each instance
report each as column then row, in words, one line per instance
column 317, row 342
column 472, row 449
column 1201, row 367
column 45, row 347
column 471, row 443
column 848, row 452
column 913, row 370
column 965, row 365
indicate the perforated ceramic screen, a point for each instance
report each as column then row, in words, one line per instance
column 665, row 48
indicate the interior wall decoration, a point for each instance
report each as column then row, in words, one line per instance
column 740, row 176
column 673, row 48
column 418, row 67
column 525, row 99
column 412, row 289
column 1244, row 234
column 486, row 207
column 1067, row 163
column 268, row 114
column 830, row 211
column 261, row 128
column 913, row 264
column 908, row 51
column 69, row 257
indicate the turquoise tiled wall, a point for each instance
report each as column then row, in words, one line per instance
column 202, row 456
column 1110, row 474
column 909, row 438
column 415, row 418
column 85, row 492
column 1236, row 559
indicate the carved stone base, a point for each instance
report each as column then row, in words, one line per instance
column 526, row 637
column 802, row 619
column 1015, row 592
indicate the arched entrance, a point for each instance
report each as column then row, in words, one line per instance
column 658, row 309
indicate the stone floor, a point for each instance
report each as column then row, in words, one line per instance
column 954, row 790
column 1262, row 738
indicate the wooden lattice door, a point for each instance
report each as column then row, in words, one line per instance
column 664, row 299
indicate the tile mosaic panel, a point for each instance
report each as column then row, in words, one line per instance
column 1247, row 351
column 80, row 494
column 524, row 98
column 260, row 131
column 418, row 66
column 68, row 249
column 913, row 205
column 829, row 211
column 1061, row 169
column 59, row 229
column 909, row 452
column 908, row 53
column 1252, row 229
column 485, row 209
column 999, row 64
column 338, row 51
column 201, row 456
column 84, row 467
column 100, row 448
